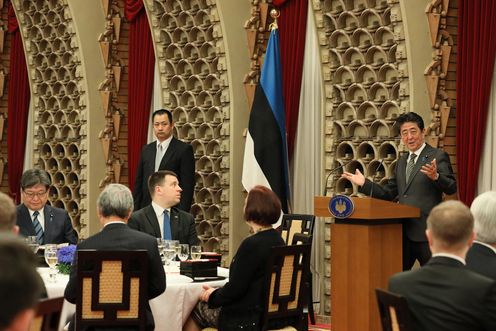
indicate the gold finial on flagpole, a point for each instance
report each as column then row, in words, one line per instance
column 274, row 13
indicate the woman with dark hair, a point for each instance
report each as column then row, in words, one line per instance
column 239, row 303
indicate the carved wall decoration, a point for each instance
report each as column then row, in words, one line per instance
column 4, row 67
column 109, row 41
column 366, row 88
column 60, row 110
column 191, row 58
column 439, row 75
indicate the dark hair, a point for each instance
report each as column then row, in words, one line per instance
column 20, row 284
column 410, row 117
column 34, row 177
column 158, row 178
column 8, row 213
column 162, row 112
column 262, row 206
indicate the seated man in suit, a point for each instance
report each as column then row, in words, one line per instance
column 49, row 224
column 174, row 223
column 20, row 284
column 114, row 206
column 443, row 294
column 481, row 257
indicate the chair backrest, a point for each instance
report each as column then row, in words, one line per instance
column 394, row 312
column 47, row 316
column 112, row 288
column 296, row 223
column 287, row 269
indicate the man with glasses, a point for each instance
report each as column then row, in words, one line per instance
column 49, row 224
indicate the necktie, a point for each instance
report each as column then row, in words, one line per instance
column 158, row 156
column 410, row 165
column 38, row 230
column 167, row 226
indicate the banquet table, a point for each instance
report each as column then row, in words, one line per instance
column 170, row 309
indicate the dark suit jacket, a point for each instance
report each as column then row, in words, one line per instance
column 58, row 226
column 178, row 158
column 444, row 295
column 482, row 260
column 420, row 191
column 119, row 236
column 182, row 224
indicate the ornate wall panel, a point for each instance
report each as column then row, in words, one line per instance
column 366, row 87
column 114, row 100
column 440, row 75
column 4, row 68
column 191, row 58
column 60, row 112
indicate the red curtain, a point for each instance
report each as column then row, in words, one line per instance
column 476, row 54
column 141, row 72
column 292, row 30
column 18, row 108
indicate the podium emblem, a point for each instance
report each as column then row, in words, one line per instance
column 341, row 206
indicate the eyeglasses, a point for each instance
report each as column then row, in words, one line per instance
column 39, row 195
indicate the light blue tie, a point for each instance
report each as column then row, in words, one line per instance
column 38, row 230
column 167, row 226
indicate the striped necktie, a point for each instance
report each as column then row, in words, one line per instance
column 410, row 165
column 38, row 230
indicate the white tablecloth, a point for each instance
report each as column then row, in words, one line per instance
column 170, row 309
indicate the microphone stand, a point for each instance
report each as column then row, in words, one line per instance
column 329, row 175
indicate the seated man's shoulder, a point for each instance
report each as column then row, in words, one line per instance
column 181, row 213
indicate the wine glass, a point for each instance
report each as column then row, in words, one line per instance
column 33, row 243
column 169, row 252
column 160, row 245
column 196, row 252
column 51, row 260
column 183, row 252
column 177, row 248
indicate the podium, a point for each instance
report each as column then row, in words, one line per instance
column 366, row 249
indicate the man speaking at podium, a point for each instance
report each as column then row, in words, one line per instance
column 420, row 179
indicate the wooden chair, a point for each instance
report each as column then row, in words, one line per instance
column 393, row 308
column 284, row 299
column 287, row 268
column 296, row 223
column 112, row 288
column 303, row 238
column 47, row 316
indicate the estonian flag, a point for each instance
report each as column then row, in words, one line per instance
column 266, row 154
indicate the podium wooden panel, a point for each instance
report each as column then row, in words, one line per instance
column 366, row 249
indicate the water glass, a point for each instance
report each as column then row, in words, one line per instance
column 160, row 245
column 51, row 260
column 177, row 248
column 196, row 252
column 184, row 252
column 169, row 252
column 33, row 243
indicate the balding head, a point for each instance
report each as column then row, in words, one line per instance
column 450, row 228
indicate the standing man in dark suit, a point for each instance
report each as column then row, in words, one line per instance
column 420, row 179
column 166, row 192
column 481, row 257
column 166, row 153
column 49, row 224
column 114, row 206
column 444, row 294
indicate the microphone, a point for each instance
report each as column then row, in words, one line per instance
column 330, row 173
column 372, row 186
